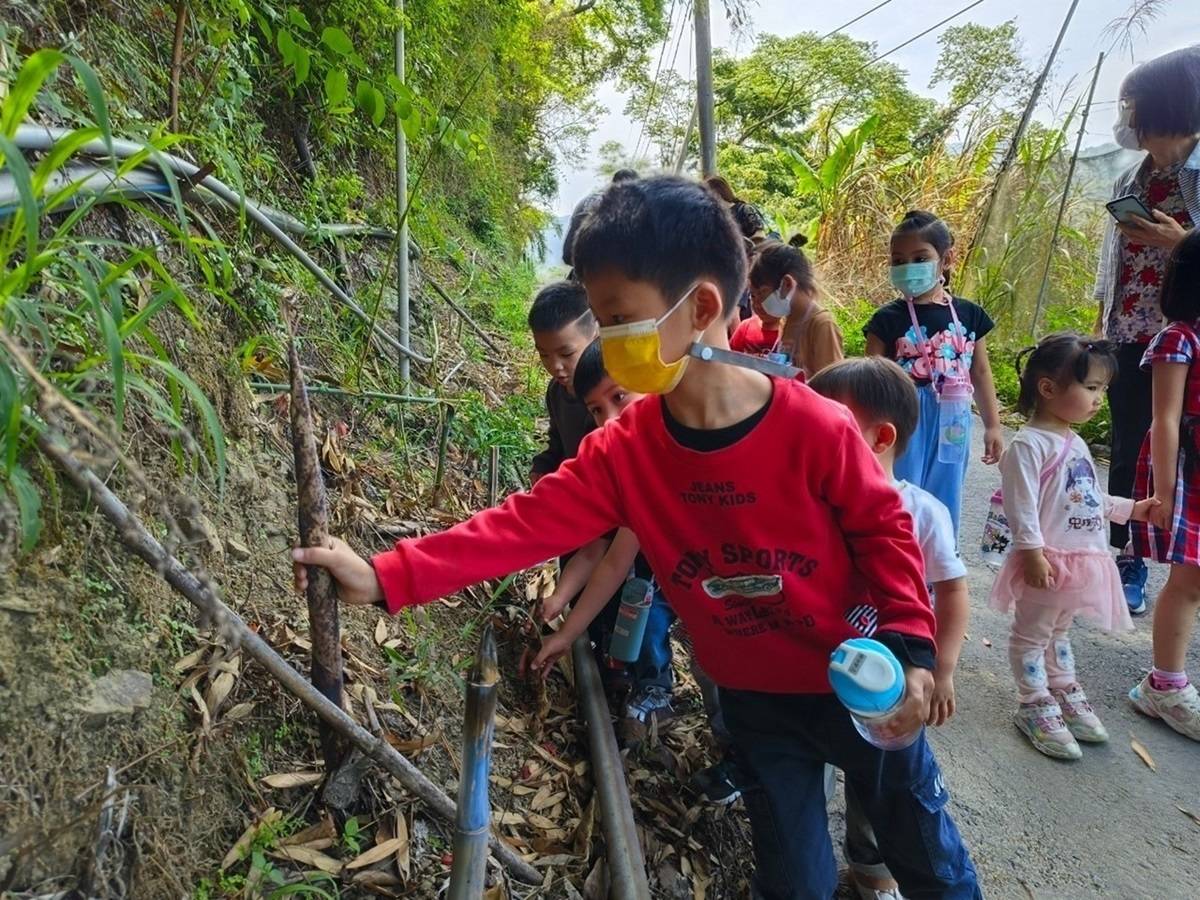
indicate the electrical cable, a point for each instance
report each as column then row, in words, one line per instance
column 662, row 54
column 856, row 19
column 917, row 37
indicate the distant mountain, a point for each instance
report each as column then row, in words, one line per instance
column 552, row 238
column 1098, row 167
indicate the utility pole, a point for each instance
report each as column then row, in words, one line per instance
column 687, row 139
column 1062, row 205
column 704, row 91
column 404, row 333
column 1010, row 154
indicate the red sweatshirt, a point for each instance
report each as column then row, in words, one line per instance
column 761, row 548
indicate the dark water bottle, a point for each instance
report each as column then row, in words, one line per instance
column 630, row 627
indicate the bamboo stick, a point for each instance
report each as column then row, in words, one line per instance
column 141, row 543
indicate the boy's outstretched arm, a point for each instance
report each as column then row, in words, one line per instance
column 606, row 580
column 567, row 509
column 574, row 577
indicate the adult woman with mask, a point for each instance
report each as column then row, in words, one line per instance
column 1159, row 112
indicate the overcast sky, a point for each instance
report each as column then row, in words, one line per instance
column 1037, row 20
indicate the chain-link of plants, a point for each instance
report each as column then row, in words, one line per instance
column 89, row 302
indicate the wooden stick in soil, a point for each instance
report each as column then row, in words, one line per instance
column 142, row 544
column 313, row 509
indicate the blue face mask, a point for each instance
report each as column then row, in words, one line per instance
column 915, row 279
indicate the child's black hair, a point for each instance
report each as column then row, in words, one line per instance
column 1065, row 358
column 623, row 175
column 559, row 304
column 748, row 218
column 667, row 231
column 1166, row 94
column 774, row 259
column 876, row 387
column 589, row 370
column 928, row 228
column 1181, row 288
column 578, row 214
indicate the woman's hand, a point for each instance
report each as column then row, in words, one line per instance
column 355, row 577
column 1162, row 231
column 993, row 445
column 1038, row 571
column 1162, row 515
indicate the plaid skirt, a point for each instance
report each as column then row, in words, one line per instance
column 1181, row 544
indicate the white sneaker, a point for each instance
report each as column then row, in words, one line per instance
column 1042, row 722
column 1081, row 719
column 1180, row 709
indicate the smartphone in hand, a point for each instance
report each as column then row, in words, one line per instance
column 1124, row 209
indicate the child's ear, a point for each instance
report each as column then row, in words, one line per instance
column 885, row 437
column 1046, row 388
column 787, row 286
column 949, row 258
column 708, row 306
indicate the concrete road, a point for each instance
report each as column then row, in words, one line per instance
column 1104, row 826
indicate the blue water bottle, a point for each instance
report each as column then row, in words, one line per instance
column 869, row 681
column 630, row 627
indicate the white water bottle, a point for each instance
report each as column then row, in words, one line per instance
column 954, row 419
column 869, row 681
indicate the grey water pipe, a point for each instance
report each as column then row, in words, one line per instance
column 42, row 138
column 626, row 866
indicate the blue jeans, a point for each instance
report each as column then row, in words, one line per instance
column 784, row 742
column 653, row 665
column 919, row 463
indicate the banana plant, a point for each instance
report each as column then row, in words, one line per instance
column 824, row 183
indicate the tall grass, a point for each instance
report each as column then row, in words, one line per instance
column 86, row 310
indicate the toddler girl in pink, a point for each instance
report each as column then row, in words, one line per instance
column 1060, row 565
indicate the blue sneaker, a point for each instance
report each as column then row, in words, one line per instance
column 1133, row 580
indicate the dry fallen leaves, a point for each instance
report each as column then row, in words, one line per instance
column 284, row 780
column 238, row 850
column 308, row 857
column 403, row 855
column 1143, row 754
column 377, row 853
column 1187, row 812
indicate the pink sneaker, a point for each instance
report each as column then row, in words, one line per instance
column 1042, row 722
column 1080, row 718
column 1180, row 709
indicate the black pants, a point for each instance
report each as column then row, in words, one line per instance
column 784, row 740
column 1131, row 402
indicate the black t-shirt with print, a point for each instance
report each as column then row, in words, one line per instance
column 951, row 353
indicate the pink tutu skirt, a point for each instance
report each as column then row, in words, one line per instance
column 1085, row 581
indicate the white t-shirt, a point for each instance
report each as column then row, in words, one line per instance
column 934, row 531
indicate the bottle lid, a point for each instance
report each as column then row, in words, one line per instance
column 866, row 676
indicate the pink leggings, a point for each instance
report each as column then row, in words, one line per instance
column 1039, row 650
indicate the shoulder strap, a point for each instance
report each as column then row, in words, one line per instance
column 1053, row 465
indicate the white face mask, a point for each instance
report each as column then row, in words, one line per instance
column 1123, row 133
column 777, row 304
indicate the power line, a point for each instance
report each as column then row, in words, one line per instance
column 915, row 38
column 657, row 72
column 856, row 19
column 683, row 27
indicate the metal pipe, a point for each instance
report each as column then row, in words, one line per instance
column 267, row 386
column 626, row 867
column 42, row 138
column 402, row 319
column 473, row 820
column 140, row 542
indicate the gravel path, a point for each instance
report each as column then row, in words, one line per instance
column 1105, row 826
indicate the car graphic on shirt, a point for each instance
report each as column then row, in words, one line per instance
column 748, row 586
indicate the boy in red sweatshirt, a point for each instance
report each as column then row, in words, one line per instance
column 767, row 518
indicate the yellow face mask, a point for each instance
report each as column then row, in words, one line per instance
column 633, row 354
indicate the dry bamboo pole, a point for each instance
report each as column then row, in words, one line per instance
column 141, row 543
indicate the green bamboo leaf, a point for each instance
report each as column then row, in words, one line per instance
column 208, row 415
column 378, row 107
column 10, row 416
column 337, row 41
column 62, row 151
column 22, row 178
column 95, row 95
column 29, row 506
column 33, row 74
